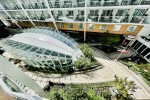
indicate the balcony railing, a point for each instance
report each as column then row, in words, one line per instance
column 130, row 2
column 11, row 7
column 95, row 3
column 111, row 3
column 34, row 6
column 107, row 19
column 145, row 2
column 80, row 18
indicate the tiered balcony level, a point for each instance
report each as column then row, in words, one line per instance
column 105, row 11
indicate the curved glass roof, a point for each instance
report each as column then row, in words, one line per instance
column 53, row 33
column 43, row 47
column 36, row 56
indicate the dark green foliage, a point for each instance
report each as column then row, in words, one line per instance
column 87, row 60
column 143, row 69
column 87, row 51
column 109, row 39
column 80, row 92
column 123, row 86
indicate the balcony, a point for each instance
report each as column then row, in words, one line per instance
column 136, row 19
column 81, row 3
column 111, row 3
column 67, row 4
column 93, row 15
column 70, row 14
column 107, row 19
column 145, row 2
column 130, row 2
column 80, row 18
column 35, row 6
column 94, row 3
column 11, row 7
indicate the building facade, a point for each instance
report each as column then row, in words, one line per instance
column 131, row 17
column 114, row 16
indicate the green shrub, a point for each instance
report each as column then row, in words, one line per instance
column 87, row 51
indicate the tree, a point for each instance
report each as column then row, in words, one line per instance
column 109, row 39
column 123, row 87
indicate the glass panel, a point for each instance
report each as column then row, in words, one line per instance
column 80, row 26
column 137, row 46
column 40, row 51
column 131, row 28
column 61, row 55
column 134, row 43
column 54, row 53
column 33, row 49
column 141, row 48
column 27, row 48
column 148, row 56
column 67, row 56
column 117, row 27
column 70, row 25
column 91, row 26
column 61, row 25
column 145, row 52
column 47, row 52
column 103, row 27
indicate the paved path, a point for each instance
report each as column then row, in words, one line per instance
column 102, row 75
column 143, row 92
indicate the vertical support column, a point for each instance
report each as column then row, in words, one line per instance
column 10, row 17
column 131, row 15
column 53, row 19
column 140, row 2
column 119, row 1
column 25, row 12
column 85, row 17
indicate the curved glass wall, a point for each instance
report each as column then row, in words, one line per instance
column 38, row 56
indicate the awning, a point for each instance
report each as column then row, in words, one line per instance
column 122, row 51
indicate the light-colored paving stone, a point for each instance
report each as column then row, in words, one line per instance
column 122, row 71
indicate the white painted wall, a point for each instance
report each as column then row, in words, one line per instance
column 144, row 32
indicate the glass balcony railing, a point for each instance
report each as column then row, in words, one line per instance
column 80, row 18
column 137, row 19
column 145, row 2
column 107, row 19
column 11, row 7
column 34, row 6
column 130, row 2
column 93, row 18
column 65, row 4
column 111, row 3
column 121, row 19
column 146, row 20
column 95, row 3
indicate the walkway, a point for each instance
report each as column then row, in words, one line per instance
column 102, row 75
column 143, row 92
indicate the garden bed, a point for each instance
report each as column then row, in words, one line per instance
column 142, row 69
column 98, row 91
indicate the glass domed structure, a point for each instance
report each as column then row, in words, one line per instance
column 43, row 47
